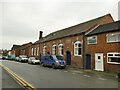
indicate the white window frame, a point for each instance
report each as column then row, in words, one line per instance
column 32, row 51
column 113, row 55
column 35, row 50
column 54, row 49
column 44, row 50
column 76, row 53
column 88, row 38
column 60, row 48
column 112, row 34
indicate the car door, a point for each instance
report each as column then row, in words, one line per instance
column 47, row 62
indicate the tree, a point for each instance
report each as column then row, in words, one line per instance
column 5, row 52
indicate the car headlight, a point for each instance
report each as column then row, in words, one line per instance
column 57, row 62
column 64, row 62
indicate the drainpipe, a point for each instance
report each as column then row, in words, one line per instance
column 83, row 50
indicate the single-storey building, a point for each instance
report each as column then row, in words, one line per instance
column 15, row 50
column 23, row 49
column 35, row 47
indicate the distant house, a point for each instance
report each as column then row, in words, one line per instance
column 15, row 50
column 103, row 47
column 22, row 49
column 70, row 42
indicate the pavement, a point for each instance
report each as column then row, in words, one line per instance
column 93, row 72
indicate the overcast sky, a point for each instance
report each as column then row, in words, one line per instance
column 21, row 20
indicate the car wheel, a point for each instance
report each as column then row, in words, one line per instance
column 53, row 66
column 42, row 64
column 63, row 67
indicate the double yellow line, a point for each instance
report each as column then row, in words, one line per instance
column 22, row 82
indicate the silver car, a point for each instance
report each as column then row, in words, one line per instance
column 23, row 58
column 33, row 60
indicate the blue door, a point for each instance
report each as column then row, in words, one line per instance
column 68, row 58
column 88, row 61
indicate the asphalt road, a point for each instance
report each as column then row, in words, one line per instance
column 45, row 77
column 7, row 82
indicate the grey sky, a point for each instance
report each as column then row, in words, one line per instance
column 21, row 21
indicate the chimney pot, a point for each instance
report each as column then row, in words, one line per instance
column 40, row 34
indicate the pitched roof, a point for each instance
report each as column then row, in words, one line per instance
column 15, row 46
column 114, row 26
column 74, row 30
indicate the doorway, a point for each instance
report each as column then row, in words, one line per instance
column 68, row 58
column 99, row 65
column 88, row 61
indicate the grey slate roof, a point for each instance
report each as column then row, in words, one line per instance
column 15, row 46
column 114, row 26
column 73, row 30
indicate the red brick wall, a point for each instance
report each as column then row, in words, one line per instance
column 35, row 46
column 68, row 45
column 103, row 47
column 25, row 47
column 76, row 60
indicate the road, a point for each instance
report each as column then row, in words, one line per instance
column 45, row 77
column 6, row 81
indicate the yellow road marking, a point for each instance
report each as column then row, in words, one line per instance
column 21, row 81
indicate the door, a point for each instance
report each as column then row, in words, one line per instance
column 88, row 61
column 68, row 58
column 99, row 65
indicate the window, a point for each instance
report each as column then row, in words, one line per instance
column 44, row 50
column 54, row 49
column 47, row 58
column 92, row 40
column 60, row 47
column 77, row 48
column 37, row 50
column 114, row 37
column 32, row 52
column 113, row 58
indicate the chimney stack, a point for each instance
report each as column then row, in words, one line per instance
column 40, row 34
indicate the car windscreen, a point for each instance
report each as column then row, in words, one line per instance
column 59, row 57
column 32, row 58
column 54, row 57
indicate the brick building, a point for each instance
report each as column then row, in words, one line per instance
column 73, row 43
column 22, row 49
column 70, row 42
column 15, row 50
column 35, row 48
column 103, row 47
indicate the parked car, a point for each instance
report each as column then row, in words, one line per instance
column 56, row 61
column 11, row 57
column 33, row 60
column 118, row 74
column 17, row 58
column 23, row 58
column 4, row 57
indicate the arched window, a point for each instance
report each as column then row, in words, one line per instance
column 32, row 51
column 54, row 49
column 35, row 51
column 60, row 49
column 44, row 50
column 77, row 48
